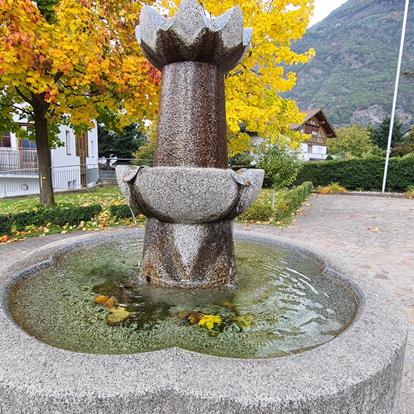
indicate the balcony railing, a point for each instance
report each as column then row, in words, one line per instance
column 20, row 182
column 17, row 159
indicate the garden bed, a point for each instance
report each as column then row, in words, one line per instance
column 105, row 207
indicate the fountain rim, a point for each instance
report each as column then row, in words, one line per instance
column 372, row 343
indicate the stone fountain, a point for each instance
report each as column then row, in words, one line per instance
column 191, row 196
column 341, row 336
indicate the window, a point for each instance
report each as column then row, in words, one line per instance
column 67, row 142
column 5, row 140
column 315, row 134
column 27, row 144
column 310, row 148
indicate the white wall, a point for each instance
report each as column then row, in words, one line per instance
column 65, row 164
column 316, row 153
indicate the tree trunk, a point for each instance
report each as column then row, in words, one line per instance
column 43, row 151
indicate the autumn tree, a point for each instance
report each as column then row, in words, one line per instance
column 254, row 87
column 61, row 61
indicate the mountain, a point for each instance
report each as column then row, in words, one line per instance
column 353, row 73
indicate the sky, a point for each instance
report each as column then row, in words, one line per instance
column 323, row 8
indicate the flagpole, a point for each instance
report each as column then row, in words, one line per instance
column 394, row 104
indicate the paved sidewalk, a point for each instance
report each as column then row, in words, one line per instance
column 375, row 234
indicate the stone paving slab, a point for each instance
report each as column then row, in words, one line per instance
column 375, row 234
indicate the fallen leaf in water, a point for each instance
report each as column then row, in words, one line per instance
column 195, row 317
column 210, row 321
column 244, row 321
column 374, row 229
column 106, row 301
column 190, row 316
column 229, row 305
column 117, row 316
column 183, row 315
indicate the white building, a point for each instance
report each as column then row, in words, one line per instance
column 318, row 127
column 74, row 164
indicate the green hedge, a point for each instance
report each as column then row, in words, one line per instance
column 58, row 216
column 289, row 201
column 286, row 205
column 360, row 174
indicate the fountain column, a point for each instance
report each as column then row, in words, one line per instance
column 191, row 196
column 192, row 122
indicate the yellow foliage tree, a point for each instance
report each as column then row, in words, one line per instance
column 63, row 61
column 253, row 88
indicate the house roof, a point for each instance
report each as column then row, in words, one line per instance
column 317, row 112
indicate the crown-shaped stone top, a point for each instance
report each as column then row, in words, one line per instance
column 192, row 36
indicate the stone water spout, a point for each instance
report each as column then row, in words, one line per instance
column 190, row 196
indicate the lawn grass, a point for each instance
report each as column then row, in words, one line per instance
column 105, row 196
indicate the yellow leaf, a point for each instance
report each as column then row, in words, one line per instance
column 210, row 321
column 117, row 316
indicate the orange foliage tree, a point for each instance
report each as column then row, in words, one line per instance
column 62, row 62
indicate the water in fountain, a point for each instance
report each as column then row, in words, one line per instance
column 281, row 304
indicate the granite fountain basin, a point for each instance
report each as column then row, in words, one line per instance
column 190, row 195
column 358, row 371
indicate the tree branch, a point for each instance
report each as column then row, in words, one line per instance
column 26, row 111
column 23, row 96
column 58, row 76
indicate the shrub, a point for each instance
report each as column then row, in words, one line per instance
column 281, row 166
column 287, row 203
column 122, row 211
column 333, row 188
column 360, row 174
column 40, row 216
column 410, row 192
column 243, row 159
column 259, row 211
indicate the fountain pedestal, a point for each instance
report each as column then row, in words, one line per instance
column 190, row 197
column 188, row 255
column 189, row 232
